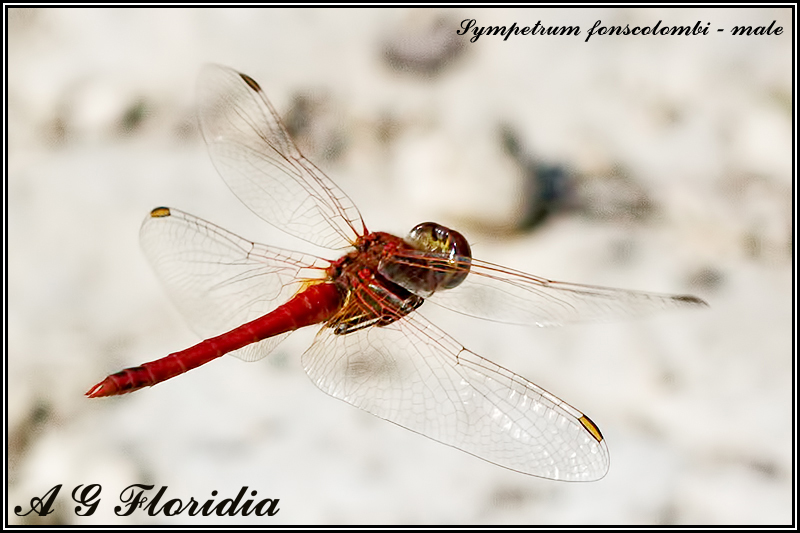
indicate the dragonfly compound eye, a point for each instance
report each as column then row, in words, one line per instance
column 452, row 251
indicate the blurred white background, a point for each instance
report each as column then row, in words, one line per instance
column 669, row 160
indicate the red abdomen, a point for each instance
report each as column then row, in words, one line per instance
column 314, row 305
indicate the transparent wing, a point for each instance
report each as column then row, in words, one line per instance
column 218, row 280
column 411, row 373
column 492, row 292
column 258, row 160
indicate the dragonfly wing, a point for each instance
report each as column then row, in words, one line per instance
column 492, row 292
column 219, row 280
column 261, row 164
column 413, row 374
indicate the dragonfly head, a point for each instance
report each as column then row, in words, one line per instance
column 440, row 259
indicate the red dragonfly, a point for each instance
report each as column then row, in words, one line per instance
column 374, row 350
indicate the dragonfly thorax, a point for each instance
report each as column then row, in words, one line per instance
column 370, row 298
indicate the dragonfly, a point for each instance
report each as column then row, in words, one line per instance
column 375, row 349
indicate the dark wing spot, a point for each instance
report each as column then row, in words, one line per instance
column 690, row 300
column 251, row 82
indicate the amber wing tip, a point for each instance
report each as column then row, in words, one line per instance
column 160, row 212
column 591, row 427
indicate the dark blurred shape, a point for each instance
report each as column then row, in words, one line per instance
column 623, row 250
column 134, row 116
column 550, row 188
column 299, row 117
column 763, row 206
column 186, row 128
column 783, row 99
column 613, row 195
column 765, row 467
column 95, row 108
column 313, row 124
column 22, row 18
column 56, row 132
column 509, row 498
column 388, row 129
column 670, row 379
column 547, row 188
column 668, row 514
column 21, row 437
column 423, row 45
column 707, row 279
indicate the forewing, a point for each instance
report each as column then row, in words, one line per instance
column 497, row 293
column 261, row 164
column 219, row 280
column 413, row 374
